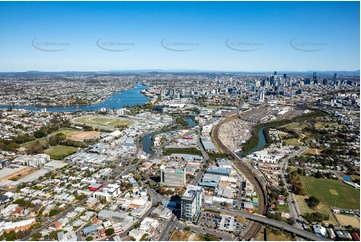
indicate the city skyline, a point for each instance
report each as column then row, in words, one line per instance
column 194, row 36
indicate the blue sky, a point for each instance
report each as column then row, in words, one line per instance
column 229, row 36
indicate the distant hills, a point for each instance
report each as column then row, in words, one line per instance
column 179, row 71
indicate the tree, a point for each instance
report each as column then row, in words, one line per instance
column 89, row 238
column 57, row 139
column 109, row 231
column 36, row 237
column 10, row 236
column 312, row 202
column 54, row 235
column 39, row 133
column 53, row 212
column 318, row 175
column 291, row 221
column 144, row 237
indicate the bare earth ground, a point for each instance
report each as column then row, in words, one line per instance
column 313, row 151
column 348, row 220
column 81, row 136
column 232, row 133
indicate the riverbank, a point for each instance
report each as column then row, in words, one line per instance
column 119, row 100
column 147, row 141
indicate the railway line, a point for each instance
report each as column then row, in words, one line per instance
column 258, row 183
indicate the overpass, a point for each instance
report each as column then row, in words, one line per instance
column 275, row 223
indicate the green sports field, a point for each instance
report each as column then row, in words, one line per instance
column 59, row 152
column 332, row 192
column 102, row 121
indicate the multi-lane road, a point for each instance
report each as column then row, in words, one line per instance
column 279, row 224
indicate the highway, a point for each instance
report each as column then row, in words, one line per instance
column 278, row 224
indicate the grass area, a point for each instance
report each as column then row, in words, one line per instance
column 102, row 121
column 59, row 152
column 293, row 141
column 295, row 126
column 282, row 134
column 323, row 125
column 180, row 235
column 283, row 208
column 325, row 190
column 321, row 208
column 64, row 131
column 277, row 235
column 41, row 140
column 354, row 177
column 206, row 237
column 260, row 235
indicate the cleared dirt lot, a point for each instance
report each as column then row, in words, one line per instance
column 348, row 220
column 85, row 135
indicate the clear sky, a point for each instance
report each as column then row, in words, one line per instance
column 230, row 36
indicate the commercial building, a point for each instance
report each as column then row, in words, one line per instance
column 95, row 186
column 108, row 192
column 173, row 177
column 191, row 203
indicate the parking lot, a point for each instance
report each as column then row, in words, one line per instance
column 221, row 222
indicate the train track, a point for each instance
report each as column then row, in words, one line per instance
column 259, row 184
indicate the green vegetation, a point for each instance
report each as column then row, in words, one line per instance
column 37, row 146
column 325, row 125
column 59, row 152
column 192, row 151
column 293, row 140
column 105, row 122
column 57, row 139
column 208, row 237
column 253, row 141
column 315, row 217
column 332, row 192
column 26, row 204
column 312, row 202
column 181, row 121
column 64, row 131
column 42, row 141
column 214, row 156
column 36, row 237
column 297, row 183
column 39, row 134
column 54, row 212
column 144, row 237
column 277, row 235
column 109, row 231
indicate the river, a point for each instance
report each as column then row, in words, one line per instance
column 261, row 143
column 129, row 97
column 147, row 140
